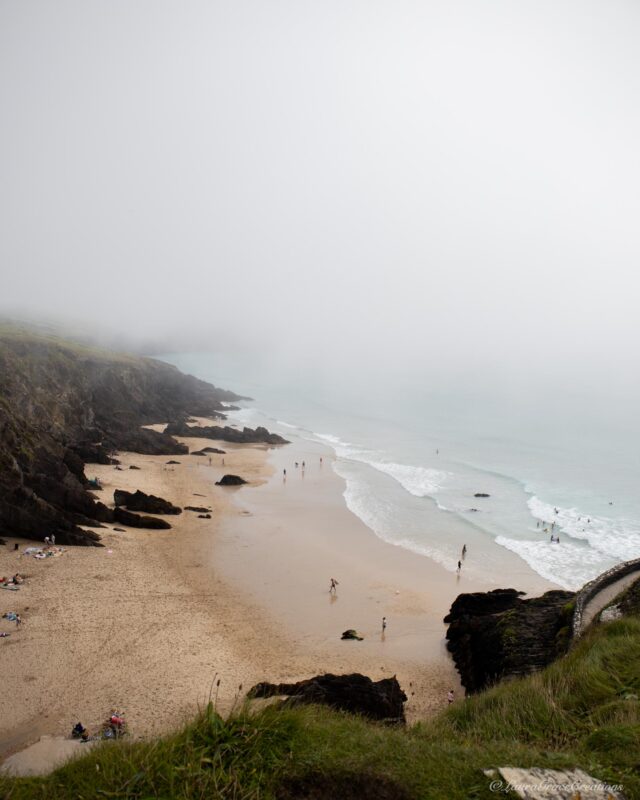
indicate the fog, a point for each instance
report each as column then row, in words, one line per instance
column 446, row 188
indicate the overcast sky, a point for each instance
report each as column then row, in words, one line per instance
column 409, row 182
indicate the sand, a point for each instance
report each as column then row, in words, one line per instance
column 151, row 622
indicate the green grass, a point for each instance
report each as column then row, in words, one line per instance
column 580, row 712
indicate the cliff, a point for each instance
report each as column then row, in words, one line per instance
column 495, row 635
column 63, row 404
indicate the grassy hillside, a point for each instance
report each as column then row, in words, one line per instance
column 581, row 711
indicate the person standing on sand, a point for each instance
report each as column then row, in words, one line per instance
column 459, row 567
column 464, row 550
column 384, row 624
column 53, row 540
column 18, row 620
column 47, row 541
column 332, row 586
column 209, row 460
column 284, row 474
column 450, row 696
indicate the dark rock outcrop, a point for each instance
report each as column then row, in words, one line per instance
column 379, row 700
column 204, row 516
column 494, row 635
column 149, row 503
column 225, row 434
column 199, row 509
column 481, row 494
column 136, row 521
column 351, row 634
column 230, row 480
column 207, row 451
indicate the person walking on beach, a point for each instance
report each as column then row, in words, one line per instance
column 459, row 566
column 18, row 620
column 464, row 550
column 450, row 696
column 332, row 586
column 53, row 540
column 209, row 460
column 384, row 624
column 284, row 474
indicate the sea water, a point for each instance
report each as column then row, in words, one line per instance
column 413, row 461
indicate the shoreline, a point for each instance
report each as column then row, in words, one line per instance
column 154, row 618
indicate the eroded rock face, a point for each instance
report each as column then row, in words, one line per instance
column 149, row 503
column 379, row 700
column 258, row 435
column 494, row 635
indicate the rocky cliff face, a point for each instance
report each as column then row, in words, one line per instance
column 494, row 635
column 257, row 435
column 62, row 404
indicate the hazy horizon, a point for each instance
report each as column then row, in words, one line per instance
column 406, row 188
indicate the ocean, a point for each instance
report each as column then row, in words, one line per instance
column 414, row 460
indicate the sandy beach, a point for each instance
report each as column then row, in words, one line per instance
column 149, row 623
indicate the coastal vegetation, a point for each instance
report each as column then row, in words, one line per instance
column 581, row 711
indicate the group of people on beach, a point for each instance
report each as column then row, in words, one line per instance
column 114, row 727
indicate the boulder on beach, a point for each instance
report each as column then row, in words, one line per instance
column 230, row 480
column 204, row 516
column 199, row 509
column 149, row 503
column 138, row 521
column 173, row 462
column 207, row 451
column 381, row 700
column 351, row 634
column 481, row 494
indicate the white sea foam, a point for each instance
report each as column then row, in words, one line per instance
column 568, row 564
column 418, row 481
column 379, row 516
column 618, row 539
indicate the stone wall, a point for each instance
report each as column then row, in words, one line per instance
column 594, row 587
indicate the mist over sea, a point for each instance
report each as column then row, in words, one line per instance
column 414, row 453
